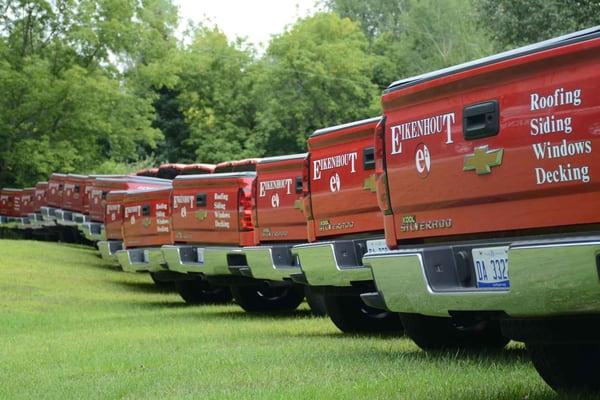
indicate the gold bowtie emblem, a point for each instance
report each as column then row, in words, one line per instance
column 201, row 215
column 370, row 183
column 483, row 159
column 298, row 205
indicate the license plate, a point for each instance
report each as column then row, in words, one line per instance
column 200, row 255
column 491, row 267
column 377, row 246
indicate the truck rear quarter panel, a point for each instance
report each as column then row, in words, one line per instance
column 147, row 218
column 539, row 170
column 206, row 208
column 277, row 195
column 342, row 179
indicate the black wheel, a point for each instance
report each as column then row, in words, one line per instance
column 268, row 299
column 570, row 367
column 351, row 315
column 316, row 302
column 198, row 291
column 439, row 333
column 161, row 282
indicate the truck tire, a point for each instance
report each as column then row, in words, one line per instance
column 351, row 315
column 441, row 333
column 316, row 302
column 268, row 299
column 568, row 367
column 160, row 282
column 198, row 291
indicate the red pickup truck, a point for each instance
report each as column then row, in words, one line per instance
column 279, row 222
column 341, row 208
column 146, row 226
column 74, row 199
column 54, row 195
column 113, row 229
column 487, row 183
column 94, row 230
column 212, row 222
column 25, row 208
column 39, row 201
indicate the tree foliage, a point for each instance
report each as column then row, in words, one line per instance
column 514, row 23
column 65, row 107
column 105, row 85
column 314, row 75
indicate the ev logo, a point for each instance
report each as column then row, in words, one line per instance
column 422, row 160
column 132, row 220
column 334, row 183
column 183, row 212
column 275, row 200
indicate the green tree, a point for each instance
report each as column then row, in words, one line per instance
column 375, row 17
column 214, row 98
column 514, row 23
column 314, row 75
column 66, row 105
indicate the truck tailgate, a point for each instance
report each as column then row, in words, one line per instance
column 342, row 191
column 500, row 145
column 147, row 218
column 206, row 208
column 278, row 191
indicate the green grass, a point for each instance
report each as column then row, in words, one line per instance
column 74, row 327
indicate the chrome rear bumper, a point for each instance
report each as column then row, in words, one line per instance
column 547, row 278
column 108, row 249
column 274, row 263
column 334, row 263
column 210, row 261
column 142, row 260
column 93, row 231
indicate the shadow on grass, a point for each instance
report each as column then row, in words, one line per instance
column 143, row 287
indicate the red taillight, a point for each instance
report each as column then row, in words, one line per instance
column 254, row 205
column 383, row 195
column 306, row 201
column 245, row 211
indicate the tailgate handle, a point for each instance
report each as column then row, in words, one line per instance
column 201, row 200
column 146, row 209
column 298, row 184
column 369, row 158
column 76, row 189
column 481, row 120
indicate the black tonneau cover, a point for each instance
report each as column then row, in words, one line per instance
column 570, row 38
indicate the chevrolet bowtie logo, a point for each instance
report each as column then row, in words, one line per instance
column 370, row 183
column 146, row 222
column 482, row 160
column 201, row 215
column 298, row 205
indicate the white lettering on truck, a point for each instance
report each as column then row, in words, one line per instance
column 437, row 124
column 274, row 185
column 341, row 160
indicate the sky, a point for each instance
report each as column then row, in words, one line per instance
column 255, row 19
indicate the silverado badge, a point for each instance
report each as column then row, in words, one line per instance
column 482, row 160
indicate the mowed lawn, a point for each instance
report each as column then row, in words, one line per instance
column 72, row 326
